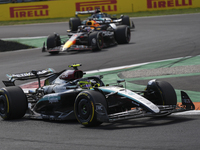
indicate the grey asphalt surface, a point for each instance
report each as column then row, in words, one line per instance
column 32, row 30
column 155, row 38
column 183, row 83
column 179, row 83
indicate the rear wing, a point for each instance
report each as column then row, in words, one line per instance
column 84, row 12
column 28, row 75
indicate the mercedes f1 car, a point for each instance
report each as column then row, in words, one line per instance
column 91, row 36
column 69, row 95
column 99, row 17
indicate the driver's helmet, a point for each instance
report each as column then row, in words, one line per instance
column 89, row 84
column 85, row 84
column 92, row 23
column 87, row 29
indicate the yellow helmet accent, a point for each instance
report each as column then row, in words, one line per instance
column 75, row 65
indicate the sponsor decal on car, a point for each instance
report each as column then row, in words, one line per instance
column 53, row 99
column 28, row 74
column 103, row 21
column 104, row 5
column 29, row 11
column 94, row 40
column 85, row 94
column 167, row 3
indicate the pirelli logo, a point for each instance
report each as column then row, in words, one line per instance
column 104, row 5
column 168, row 3
column 29, row 11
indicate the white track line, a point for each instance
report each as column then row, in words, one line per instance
column 134, row 65
column 191, row 112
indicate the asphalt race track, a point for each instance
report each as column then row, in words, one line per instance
column 155, row 38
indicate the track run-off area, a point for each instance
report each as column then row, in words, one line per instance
column 165, row 43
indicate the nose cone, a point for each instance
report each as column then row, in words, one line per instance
column 68, row 44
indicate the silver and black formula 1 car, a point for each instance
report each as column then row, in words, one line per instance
column 69, row 95
column 91, row 36
column 99, row 17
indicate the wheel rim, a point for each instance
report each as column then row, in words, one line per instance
column 100, row 41
column 3, row 104
column 84, row 109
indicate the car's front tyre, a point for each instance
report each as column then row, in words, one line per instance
column 52, row 42
column 96, row 41
column 85, row 107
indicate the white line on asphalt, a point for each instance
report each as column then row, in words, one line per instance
column 191, row 112
column 134, row 65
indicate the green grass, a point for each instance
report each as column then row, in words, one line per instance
column 135, row 14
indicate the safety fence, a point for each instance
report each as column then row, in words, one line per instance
column 66, row 8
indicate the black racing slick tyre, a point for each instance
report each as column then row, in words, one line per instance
column 74, row 23
column 13, row 103
column 123, row 34
column 96, row 41
column 168, row 93
column 126, row 20
column 53, row 41
column 85, row 107
column 161, row 93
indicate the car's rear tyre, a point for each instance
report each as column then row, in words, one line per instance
column 13, row 103
column 161, row 93
column 96, row 41
column 53, row 41
column 74, row 23
column 126, row 20
column 123, row 34
column 85, row 107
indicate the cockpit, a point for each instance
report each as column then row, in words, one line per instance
column 99, row 15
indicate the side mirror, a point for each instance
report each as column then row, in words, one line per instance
column 120, row 80
column 101, row 76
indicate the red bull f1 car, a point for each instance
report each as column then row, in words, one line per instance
column 91, row 36
column 68, row 95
